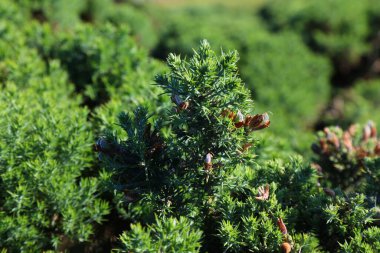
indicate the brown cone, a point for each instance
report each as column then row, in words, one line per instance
column 286, row 247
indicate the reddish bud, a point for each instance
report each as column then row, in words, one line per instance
column 239, row 120
column 229, row 114
column 184, row 105
column 225, row 112
column 258, row 122
column 181, row 105
column 286, row 247
column 323, row 145
column 352, row 130
column 263, row 193
column 366, row 131
column 361, row 153
column 377, row 148
column 317, row 167
column 333, row 139
column 326, row 130
column 373, row 129
column 248, row 120
column 246, row 146
column 282, row 226
column 347, row 141
column 208, row 161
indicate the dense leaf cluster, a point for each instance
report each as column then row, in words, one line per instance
column 180, row 166
column 103, row 147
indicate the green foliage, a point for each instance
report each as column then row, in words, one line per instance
column 102, row 61
column 166, row 235
column 55, row 205
column 341, row 35
column 270, row 146
column 285, row 180
column 169, row 170
column 256, row 234
column 372, row 166
column 348, row 217
column 248, row 223
column 210, row 85
column 56, row 11
column 356, row 104
column 9, row 11
column 121, row 13
column 18, row 63
column 199, row 156
column 65, row 15
column 192, row 164
column 44, row 151
column 306, row 243
column 137, row 19
column 281, row 70
column 367, row 241
column 182, row 29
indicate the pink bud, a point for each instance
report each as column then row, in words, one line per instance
column 258, row 121
column 347, row 141
column 181, row 105
column 282, row 226
column 366, row 132
column 239, row 119
column 263, row 193
column 377, row 148
column 208, row 161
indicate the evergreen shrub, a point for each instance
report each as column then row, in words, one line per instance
column 341, row 155
column 167, row 235
column 46, row 200
column 197, row 163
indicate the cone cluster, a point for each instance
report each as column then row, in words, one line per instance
column 252, row 123
column 180, row 104
column 331, row 143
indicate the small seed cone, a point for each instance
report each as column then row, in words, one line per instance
column 286, row 247
column 208, row 162
column 377, row 148
column 329, row 192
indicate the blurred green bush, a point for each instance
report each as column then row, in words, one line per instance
column 339, row 29
column 287, row 78
column 65, row 15
column 181, row 30
column 357, row 104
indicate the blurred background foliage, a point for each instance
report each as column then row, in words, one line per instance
column 75, row 65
